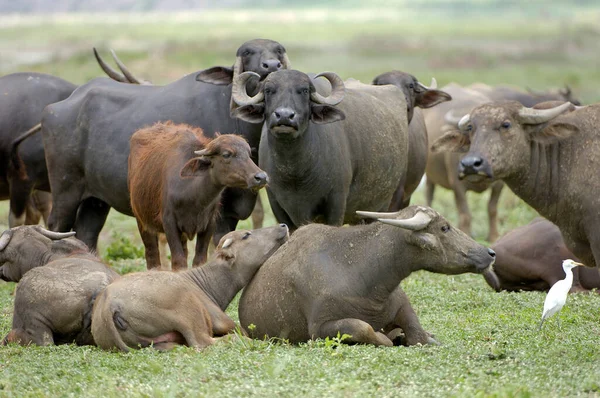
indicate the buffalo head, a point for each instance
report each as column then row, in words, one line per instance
column 260, row 56
column 416, row 93
column 433, row 244
column 228, row 159
column 498, row 136
column 288, row 101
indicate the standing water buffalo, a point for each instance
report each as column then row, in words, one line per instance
column 548, row 157
column 319, row 171
column 529, row 99
column 87, row 137
column 328, row 280
column 53, row 300
column 26, row 247
column 417, row 96
column 23, row 96
column 530, row 258
column 164, row 200
column 164, row 309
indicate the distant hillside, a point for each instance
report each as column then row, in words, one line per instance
column 66, row 6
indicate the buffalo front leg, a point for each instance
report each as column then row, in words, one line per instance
column 335, row 209
column 493, row 210
column 202, row 242
column 407, row 320
column 429, row 191
column 90, row 220
column 258, row 214
column 177, row 244
column 359, row 331
column 464, row 214
column 280, row 214
column 151, row 251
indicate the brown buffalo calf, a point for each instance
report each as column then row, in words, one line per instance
column 176, row 177
column 164, row 309
column 530, row 258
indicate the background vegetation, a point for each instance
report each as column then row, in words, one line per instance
column 490, row 346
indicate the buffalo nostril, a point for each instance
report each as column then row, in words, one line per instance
column 492, row 253
column 277, row 115
column 291, row 116
column 261, row 177
column 283, row 225
column 477, row 162
column 279, row 65
column 265, row 65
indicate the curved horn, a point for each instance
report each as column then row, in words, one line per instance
column 464, row 121
column 451, row 119
column 202, row 152
column 286, row 62
column 113, row 74
column 128, row 75
column 337, row 90
column 5, row 239
column 537, row 116
column 417, row 222
column 54, row 235
column 376, row 215
column 238, row 90
column 433, row 85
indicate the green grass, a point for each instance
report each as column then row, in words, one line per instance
column 490, row 346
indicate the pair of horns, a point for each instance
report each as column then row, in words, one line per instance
column 126, row 77
column 7, row 235
column 240, row 96
column 525, row 115
column 417, row 222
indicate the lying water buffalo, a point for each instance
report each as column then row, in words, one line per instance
column 328, row 279
column 26, row 247
column 52, row 303
column 320, row 171
column 417, row 96
column 87, row 137
column 548, row 157
column 164, row 309
column 164, row 200
column 530, row 258
column 529, row 99
column 24, row 96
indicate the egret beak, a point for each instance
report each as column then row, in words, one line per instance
column 577, row 264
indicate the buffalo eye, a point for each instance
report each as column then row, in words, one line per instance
column 305, row 91
column 411, row 86
column 246, row 235
column 505, row 124
column 226, row 154
column 268, row 91
column 279, row 51
column 246, row 53
column 445, row 228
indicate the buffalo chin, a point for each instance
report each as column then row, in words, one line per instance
column 475, row 178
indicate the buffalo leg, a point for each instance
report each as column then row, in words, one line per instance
column 359, row 331
column 202, row 242
column 493, row 210
column 90, row 220
column 335, row 209
column 429, row 191
column 464, row 214
column 20, row 194
column 280, row 214
column 43, row 203
column 407, row 319
column 177, row 244
column 151, row 250
column 224, row 225
column 258, row 214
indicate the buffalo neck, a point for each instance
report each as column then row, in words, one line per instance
column 217, row 280
column 539, row 183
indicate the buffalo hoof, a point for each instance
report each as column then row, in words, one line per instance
column 399, row 338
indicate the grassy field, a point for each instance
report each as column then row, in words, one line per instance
column 490, row 345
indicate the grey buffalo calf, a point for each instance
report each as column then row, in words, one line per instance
column 27, row 247
column 53, row 303
column 164, row 309
column 176, row 177
column 346, row 279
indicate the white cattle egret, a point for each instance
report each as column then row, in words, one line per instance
column 557, row 295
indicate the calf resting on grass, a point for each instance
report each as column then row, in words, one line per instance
column 164, row 200
column 164, row 309
column 328, row 280
column 53, row 303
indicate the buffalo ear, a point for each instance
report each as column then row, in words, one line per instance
column 250, row 113
column 422, row 240
column 551, row 132
column 195, row 166
column 452, row 141
column 322, row 114
column 430, row 98
column 219, row 75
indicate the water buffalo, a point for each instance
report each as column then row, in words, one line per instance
column 58, row 280
column 530, row 258
column 529, row 99
column 23, row 97
column 165, row 200
column 325, row 161
column 164, row 309
column 26, row 247
column 328, row 280
column 548, row 157
column 417, row 96
column 87, row 137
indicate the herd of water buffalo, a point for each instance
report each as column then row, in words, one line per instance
column 329, row 152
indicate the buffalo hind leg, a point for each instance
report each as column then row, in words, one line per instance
column 20, row 195
column 151, row 250
column 359, row 331
column 464, row 214
column 91, row 217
